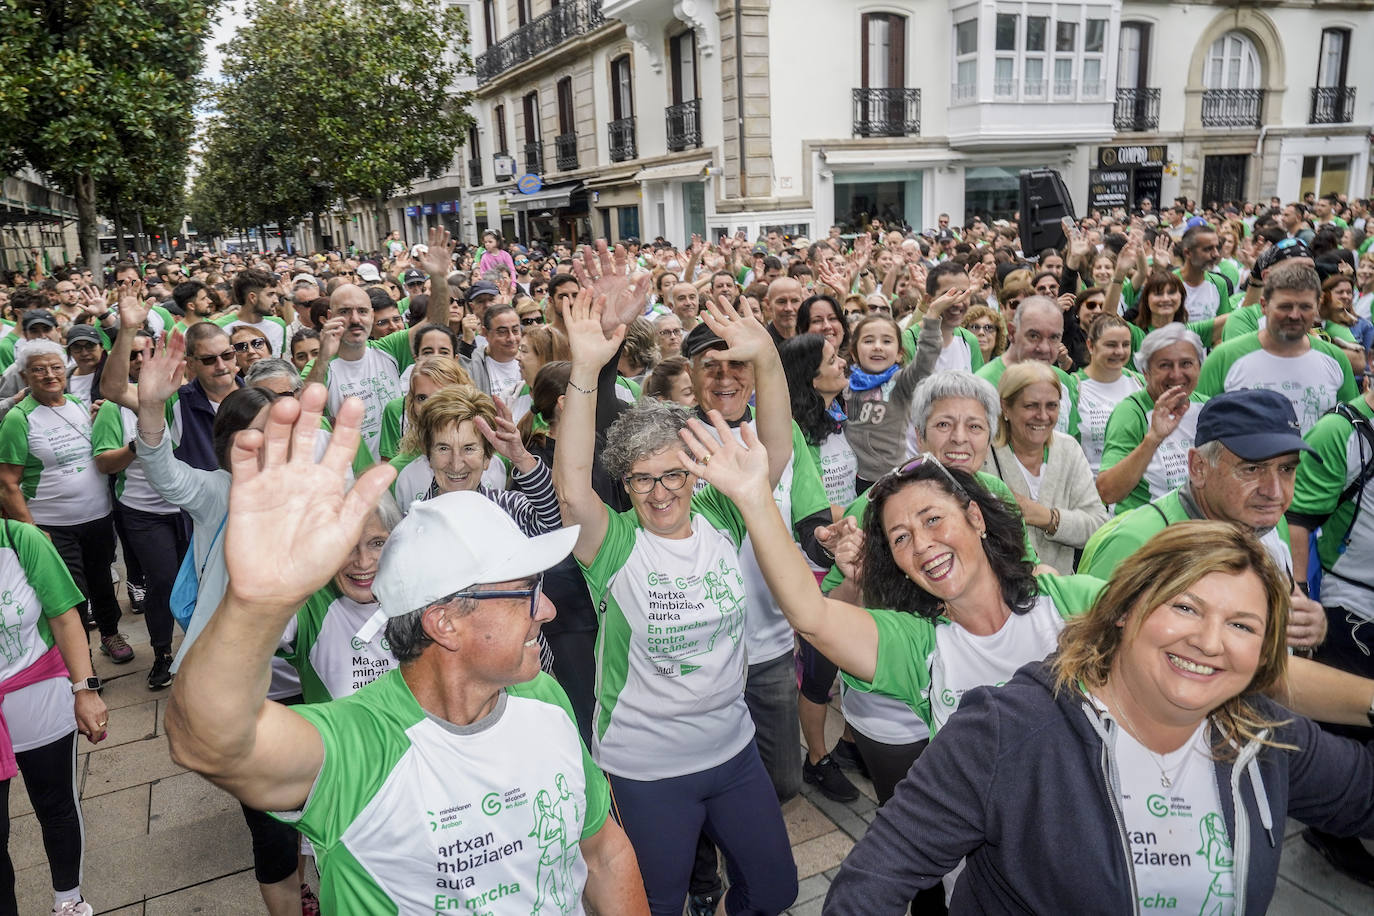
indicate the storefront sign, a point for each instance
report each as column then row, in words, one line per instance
column 429, row 209
column 448, row 206
column 529, row 183
column 412, row 211
column 1111, row 157
column 1108, row 188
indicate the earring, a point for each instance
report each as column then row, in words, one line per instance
column 983, row 534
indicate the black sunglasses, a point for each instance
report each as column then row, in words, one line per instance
column 241, row 346
column 531, row 321
column 207, row 361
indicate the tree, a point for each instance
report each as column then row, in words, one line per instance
column 97, row 94
column 329, row 98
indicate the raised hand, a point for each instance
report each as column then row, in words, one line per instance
column 280, row 496
column 505, row 438
column 1164, row 250
column 832, row 278
column 331, row 333
column 744, row 337
column 1079, row 249
column 472, row 326
column 1168, row 413
column 133, row 312
column 739, row 470
column 439, row 258
column 1124, row 260
column 845, row 542
column 937, row 307
column 162, row 372
column 584, row 324
column 625, row 296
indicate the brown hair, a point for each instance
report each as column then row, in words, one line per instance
column 978, row 312
column 1327, row 307
column 1160, row 281
column 1168, row 564
column 443, row 370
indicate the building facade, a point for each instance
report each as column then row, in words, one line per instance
column 622, row 118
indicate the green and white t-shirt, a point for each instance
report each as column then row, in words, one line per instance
column 931, row 664
column 411, row 814
column 1068, row 393
column 1096, row 401
column 114, row 428
column 962, row 352
column 838, row 467
column 414, row 477
column 53, row 445
column 322, row 644
column 1180, row 849
column 670, row 655
column 34, row 587
column 271, row 326
column 1314, row 382
column 375, row 379
column 1317, row 495
column 1168, row 467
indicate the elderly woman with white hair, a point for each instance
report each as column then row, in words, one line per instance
column 48, row 478
column 1145, row 450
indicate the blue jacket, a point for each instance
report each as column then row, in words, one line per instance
column 1020, row 783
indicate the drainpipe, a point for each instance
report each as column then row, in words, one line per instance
column 739, row 95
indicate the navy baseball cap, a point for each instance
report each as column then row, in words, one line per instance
column 700, row 339
column 1254, row 423
column 482, row 288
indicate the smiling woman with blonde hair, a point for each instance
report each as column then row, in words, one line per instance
column 1146, row 746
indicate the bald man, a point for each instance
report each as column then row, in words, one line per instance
column 780, row 306
column 685, row 301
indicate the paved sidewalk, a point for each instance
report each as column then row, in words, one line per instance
column 163, row 842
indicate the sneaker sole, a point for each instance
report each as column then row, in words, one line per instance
column 811, row 780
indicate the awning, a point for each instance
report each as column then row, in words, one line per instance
column 673, row 170
column 612, row 178
column 547, row 199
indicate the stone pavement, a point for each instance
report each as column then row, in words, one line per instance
column 163, row 842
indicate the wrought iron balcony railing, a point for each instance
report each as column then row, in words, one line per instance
column 683, row 125
column 543, row 33
column 887, row 112
column 534, row 157
column 622, row 139
column 1232, row 107
column 1136, row 109
column 475, row 173
column 1332, row 105
column 565, row 149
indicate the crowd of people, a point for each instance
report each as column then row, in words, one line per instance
column 515, row 578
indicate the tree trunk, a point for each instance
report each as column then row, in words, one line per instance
column 317, row 242
column 87, row 225
column 121, row 249
column 140, row 239
column 384, row 213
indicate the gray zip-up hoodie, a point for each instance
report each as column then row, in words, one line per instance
column 1023, row 784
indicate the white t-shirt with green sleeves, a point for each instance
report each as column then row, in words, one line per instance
column 34, row 587
column 411, row 814
column 53, row 445
column 375, row 379
column 1314, row 382
column 322, row 644
column 671, row 652
column 1168, row 467
column 931, row 664
column 114, row 428
column 1095, row 403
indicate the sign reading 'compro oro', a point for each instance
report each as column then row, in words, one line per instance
column 1110, row 157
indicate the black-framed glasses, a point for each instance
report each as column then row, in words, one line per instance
column 644, row 483
column 207, row 361
column 242, row 346
column 480, row 594
column 927, row 459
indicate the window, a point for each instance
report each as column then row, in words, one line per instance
column 1325, row 175
column 1133, row 61
column 489, row 21
column 1065, row 51
column 567, row 120
column 523, row 13
column 1004, row 64
column 530, row 110
column 883, row 63
column 622, row 95
column 966, row 59
column 1331, row 65
column 1033, row 84
column 1232, row 63
column 498, row 116
column 1006, row 31
column 683, row 51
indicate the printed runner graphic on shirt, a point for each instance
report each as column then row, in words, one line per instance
column 676, row 625
column 1217, row 853
column 15, row 652
column 556, row 827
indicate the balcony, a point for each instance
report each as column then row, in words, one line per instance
column 1004, row 89
column 1065, row 89
column 534, row 157
column 683, row 125
column 1136, row 110
column 622, row 139
column 1332, row 105
column 475, row 173
column 1232, row 107
column 887, row 112
column 544, row 33
column 565, row 149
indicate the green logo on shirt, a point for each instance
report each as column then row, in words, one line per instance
column 491, row 804
column 1157, row 805
column 557, row 832
column 1216, row 849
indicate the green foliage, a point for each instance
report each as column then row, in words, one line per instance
column 97, row 95
column 324, row 99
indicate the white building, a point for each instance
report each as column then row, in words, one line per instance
column 626, row 110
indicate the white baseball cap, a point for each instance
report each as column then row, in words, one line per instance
column 368, row 273
column 451, row 542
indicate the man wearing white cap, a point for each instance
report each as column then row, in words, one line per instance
column 458, row 781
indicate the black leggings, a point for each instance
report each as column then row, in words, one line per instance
column 158, row 543
column 88, row 549
column 276, row 846
column 50, row 778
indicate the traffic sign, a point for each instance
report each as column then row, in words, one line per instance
column 529, row 183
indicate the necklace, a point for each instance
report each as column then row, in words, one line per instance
column 1164, row 779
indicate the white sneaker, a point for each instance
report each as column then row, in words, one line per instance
column 73, row 908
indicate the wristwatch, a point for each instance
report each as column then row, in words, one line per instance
column 90, row 683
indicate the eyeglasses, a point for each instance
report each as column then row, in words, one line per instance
column 982, row 327
column 645, row 483
column 927, row 459
column 44, row 371
column 670, row 332
column 531, row 321
column 241, row 346
column 532, row 593
column 226, row 357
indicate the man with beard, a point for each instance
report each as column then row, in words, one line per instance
column 1312, row 373
column 1208, row 292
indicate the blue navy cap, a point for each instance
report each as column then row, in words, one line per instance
column 1254, row 423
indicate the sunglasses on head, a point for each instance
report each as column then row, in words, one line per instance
column 926, row 459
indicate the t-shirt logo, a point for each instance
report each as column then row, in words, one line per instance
column 557, row 832
column 729, row 602
column 11, row 645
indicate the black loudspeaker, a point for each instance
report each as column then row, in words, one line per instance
column 1044, row 203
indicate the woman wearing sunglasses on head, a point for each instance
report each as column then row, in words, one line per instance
column 671, row 728
column 1142, row 767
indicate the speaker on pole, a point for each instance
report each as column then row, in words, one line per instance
column 1044, row 203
